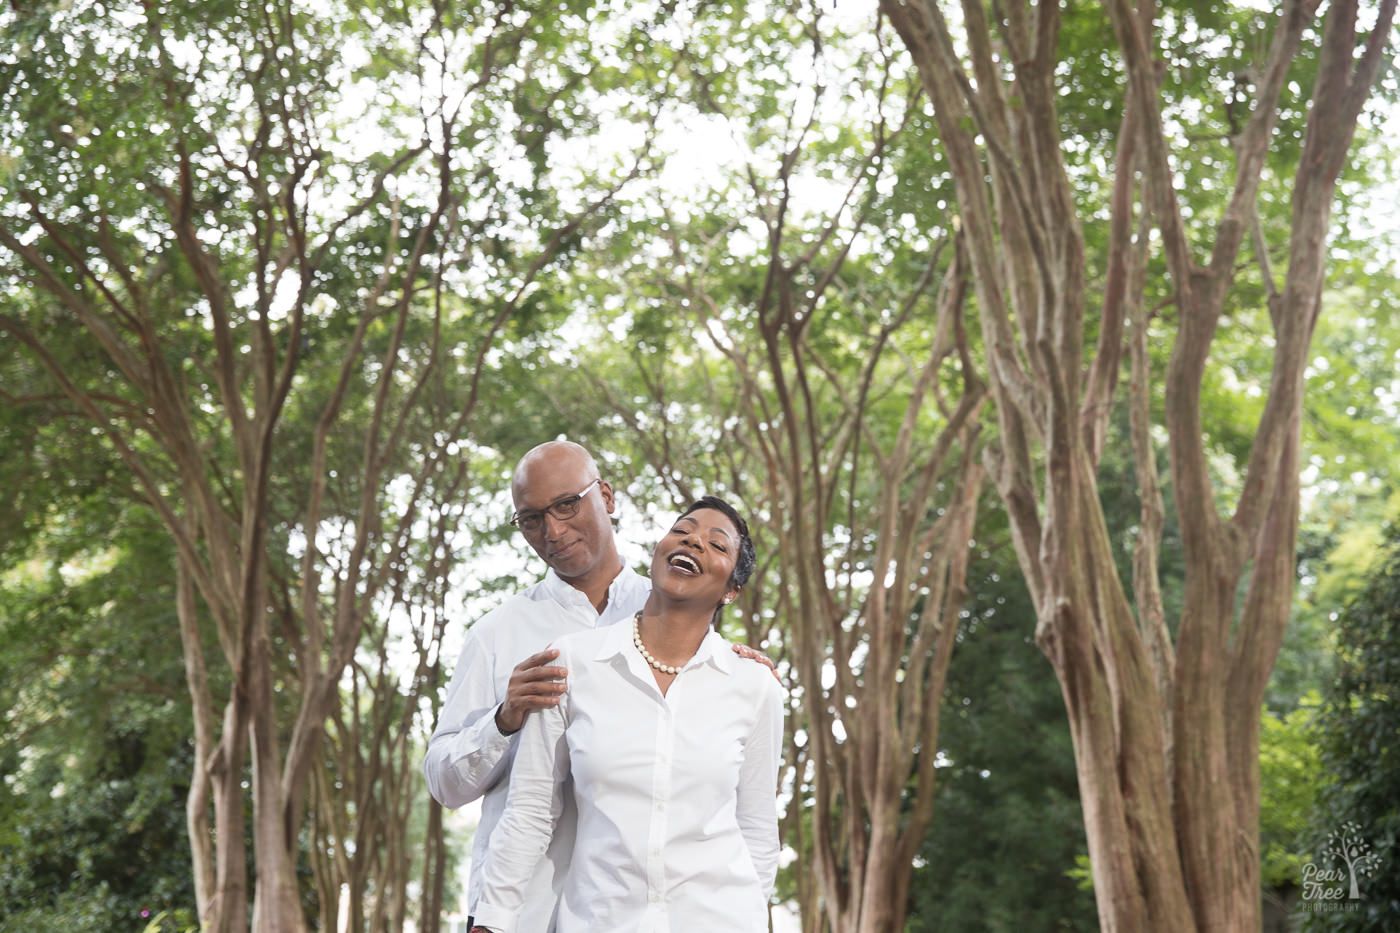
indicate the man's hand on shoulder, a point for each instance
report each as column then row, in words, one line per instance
column 533, row 685
column 753, row 654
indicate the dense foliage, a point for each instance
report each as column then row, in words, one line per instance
column 1358, row 732
column 94, row 740
column 1007, row 832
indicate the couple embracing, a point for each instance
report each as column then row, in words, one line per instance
column 625, row 754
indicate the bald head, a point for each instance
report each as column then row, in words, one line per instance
column 552, row 458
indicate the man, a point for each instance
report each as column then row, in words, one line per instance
column 563, row 509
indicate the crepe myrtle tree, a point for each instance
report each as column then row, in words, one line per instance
column 1164, row 713
column 264, row 252
column 825, row 380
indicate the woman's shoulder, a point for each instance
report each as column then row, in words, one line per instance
column 587, row 644
column 755, row 677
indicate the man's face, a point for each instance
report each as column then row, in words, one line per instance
column 575, row 547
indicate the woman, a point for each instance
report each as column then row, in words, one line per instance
column 672, row 746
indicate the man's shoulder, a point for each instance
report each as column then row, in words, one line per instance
column 529, row 602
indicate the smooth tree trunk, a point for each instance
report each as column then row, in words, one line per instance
column 434, row 871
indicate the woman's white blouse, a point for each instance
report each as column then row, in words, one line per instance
column 676, row 793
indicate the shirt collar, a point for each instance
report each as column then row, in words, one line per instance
column 620, row 589
column 615, row 642
column 715, row 651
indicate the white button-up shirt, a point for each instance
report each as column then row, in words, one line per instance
column 675, row 793
column 468, row 757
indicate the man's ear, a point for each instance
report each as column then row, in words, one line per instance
column 606, row 489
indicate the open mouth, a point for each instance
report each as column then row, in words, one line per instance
column 684, row 563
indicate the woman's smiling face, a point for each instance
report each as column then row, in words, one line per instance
column 695, row 559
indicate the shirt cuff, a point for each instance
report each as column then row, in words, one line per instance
column 496, row 919
column 478, row 753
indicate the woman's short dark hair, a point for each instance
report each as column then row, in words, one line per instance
column 747, row 557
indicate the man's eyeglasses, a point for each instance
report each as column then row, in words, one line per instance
column 532, row 520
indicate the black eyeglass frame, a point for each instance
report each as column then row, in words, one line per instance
column 564, row 509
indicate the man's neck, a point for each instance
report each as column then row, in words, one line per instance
column 597, row 590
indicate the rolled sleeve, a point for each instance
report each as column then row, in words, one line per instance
column 467, row 755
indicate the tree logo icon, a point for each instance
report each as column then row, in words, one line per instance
column 1352, row 858
column 1348, row 846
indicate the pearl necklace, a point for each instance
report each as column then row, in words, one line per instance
column 646, row 655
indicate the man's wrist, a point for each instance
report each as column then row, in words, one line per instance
column 500, row 728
